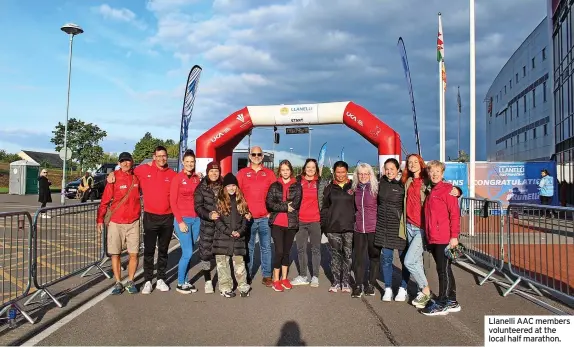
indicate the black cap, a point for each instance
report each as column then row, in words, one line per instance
column 125, row 156
column 230, row 179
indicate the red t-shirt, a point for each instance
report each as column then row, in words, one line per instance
column 309, row 211
column 181, row 196
column 254, row 186
column 282, row 220
column 156, row 186
column 414, row 207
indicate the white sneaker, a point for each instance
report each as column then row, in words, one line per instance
column 388, row 296
column 401, row 295
column 162, row 286
column 208, row 287
column 147, row 288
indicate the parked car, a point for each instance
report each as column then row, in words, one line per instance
column 98, row 186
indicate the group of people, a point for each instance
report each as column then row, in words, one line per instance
column 221, row 217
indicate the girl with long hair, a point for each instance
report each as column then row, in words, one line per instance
column 309, row 223
column 205, row 203
column 389, row 225
column 366, row 188
column 186, row 222
column 283, row 202
column 229, row 239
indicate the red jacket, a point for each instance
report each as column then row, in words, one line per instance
column 254, row 186
column 181, row 196
column 130, row 209
column 309, row 211
column 156, row 185
column 442, row 215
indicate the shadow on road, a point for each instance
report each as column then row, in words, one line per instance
column 290, row 335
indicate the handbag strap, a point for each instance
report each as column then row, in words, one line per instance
column 124, row 198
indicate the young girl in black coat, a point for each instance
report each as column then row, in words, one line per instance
column 229, row 238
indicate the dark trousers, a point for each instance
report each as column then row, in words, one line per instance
column 283, row 240
column 446, row 282
column 545, row 200
column 158, row 229
column 87, row 194
column 364, row 244
column 341, row 245
column 43, row 205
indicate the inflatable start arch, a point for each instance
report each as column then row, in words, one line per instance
column 218, row 142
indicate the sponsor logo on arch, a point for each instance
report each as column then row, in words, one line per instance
column 220, row 135
column 354, row 118
column 297, row 114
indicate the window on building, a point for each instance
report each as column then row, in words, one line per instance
column 544, row 92
column 545, row 129
column 517, row 78
column 524, row 103
column 510, row 83
column 504, row 90
column 518, row 139
column 533, row 63
column 524, row 71
column 516, row 108
column 543, row 54
column 511, row 144
column 506, row 143
column 534, row 132
column 510, row 111
column 497, row 98
column 534, row 97
column 506, row 118
column 525, row 136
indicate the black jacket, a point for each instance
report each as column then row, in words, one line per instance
column 223, row 242
column 205, row 202
column 338, row 210
column 44, row 194
column 389, row 212
column 275, row 204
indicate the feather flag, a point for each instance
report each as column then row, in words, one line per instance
column 188, row 101
column 440, row 51
column 321, row 158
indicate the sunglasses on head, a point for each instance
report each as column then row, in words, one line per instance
column 256, row 154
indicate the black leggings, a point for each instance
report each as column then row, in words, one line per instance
column 446, row 283
column 283, row 240
column 43, row 205
column 364, row 244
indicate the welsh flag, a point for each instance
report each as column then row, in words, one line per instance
column 440, row 51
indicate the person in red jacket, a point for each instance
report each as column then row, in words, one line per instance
column 254, row 182
column 442, row 222
column 155, row 181
column 124, row 226
column 186, row 221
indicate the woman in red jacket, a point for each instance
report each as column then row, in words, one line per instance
column 442, row 222
column 186, row 220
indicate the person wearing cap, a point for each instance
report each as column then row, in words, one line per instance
column 155, row 181
column 205, row 204
column 229, row 238
column 186, row 222
column 122, row 199
column 254, row 182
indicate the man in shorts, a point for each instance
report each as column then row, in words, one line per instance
column 124, row 226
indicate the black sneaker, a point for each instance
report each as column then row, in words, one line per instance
column 357, row 292
column 370, row 290
column 229, row 294
column 245, row 294
column 434, row 308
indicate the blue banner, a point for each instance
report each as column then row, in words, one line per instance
column 457, row 175
column 188, row 101
column 406, row 69
column 321, row 158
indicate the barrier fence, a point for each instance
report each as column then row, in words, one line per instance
column 532, row 244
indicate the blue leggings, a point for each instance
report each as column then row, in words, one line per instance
column 187, row 242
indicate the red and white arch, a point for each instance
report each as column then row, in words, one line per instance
column 218, row 142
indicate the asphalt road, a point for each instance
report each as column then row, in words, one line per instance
column 302, row 316
column 12, row 203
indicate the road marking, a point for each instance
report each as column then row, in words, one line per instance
column 75, row 313
column 15, row 281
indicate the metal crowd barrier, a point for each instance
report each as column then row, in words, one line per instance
column 65, row 244
column 481, row 225
column 540, row 248
column 16, row 245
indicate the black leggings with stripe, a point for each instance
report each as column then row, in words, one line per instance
column 446, row 282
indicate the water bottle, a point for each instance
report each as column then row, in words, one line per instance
column 12, row 317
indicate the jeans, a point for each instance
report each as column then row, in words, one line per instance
column 260, row 226
column 308, row 231
column 187, row 241
column 414, row 257
column 387, row 268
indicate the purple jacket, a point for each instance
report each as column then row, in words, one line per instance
column 366, row 209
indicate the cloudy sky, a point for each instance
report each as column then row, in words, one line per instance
column 131, row 64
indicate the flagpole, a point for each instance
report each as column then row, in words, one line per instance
column 441, row 98
column 459, row 115
column 472, row 102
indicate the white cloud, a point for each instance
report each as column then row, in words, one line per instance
column 120, row 14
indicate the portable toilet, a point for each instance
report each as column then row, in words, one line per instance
column 23, row 177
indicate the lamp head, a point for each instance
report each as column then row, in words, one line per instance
column 72, row 29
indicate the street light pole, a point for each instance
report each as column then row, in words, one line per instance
column 310, row 129
column 72, row 30
column 472, row 166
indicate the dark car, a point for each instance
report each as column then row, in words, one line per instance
column 99, row 183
